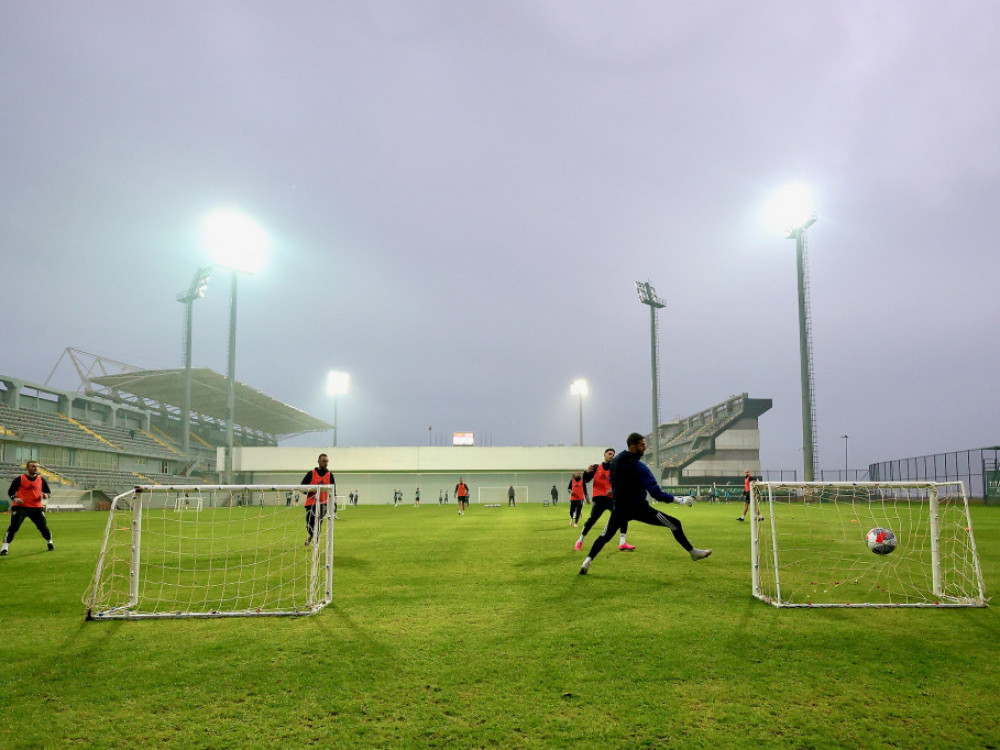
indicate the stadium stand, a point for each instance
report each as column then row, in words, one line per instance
column 123, row 428
column 714, row 445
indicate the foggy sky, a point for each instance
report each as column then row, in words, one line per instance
column 461, row 196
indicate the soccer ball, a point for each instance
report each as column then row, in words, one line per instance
column 881, row 541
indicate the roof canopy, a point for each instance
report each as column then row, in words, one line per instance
column 254, row 410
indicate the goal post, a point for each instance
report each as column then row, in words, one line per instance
column 244, row 553
column 822, row 544
column 500, row 495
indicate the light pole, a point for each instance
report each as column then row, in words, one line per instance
column 336, row 384
column 235, row 242
column 579, row 388
column 792, row 211
column 845, row 456
column 647, row 296
column 195, row 291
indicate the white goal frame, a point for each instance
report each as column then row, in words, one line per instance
column 242, row 550
column 808, row 545
column 521, row 494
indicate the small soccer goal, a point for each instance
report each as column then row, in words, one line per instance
column 500, row 495
column 864, row 544
column 186, row 502
column 213, row 551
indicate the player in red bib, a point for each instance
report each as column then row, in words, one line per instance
column 462, row 495
column 577, row 494
column 601, row 492
column 319, row 475
column 26, row 494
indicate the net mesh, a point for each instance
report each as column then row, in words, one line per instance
column 810, row 545
column 237, row 550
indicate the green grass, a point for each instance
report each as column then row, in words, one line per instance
column 478, row 632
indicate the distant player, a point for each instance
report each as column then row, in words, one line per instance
column 462, row 495
column 631, row 479
column 511, row 502
column 601, row 476
column 416, row 499
column 577, row 494
column 555, row 495
column 319, row 475
column 746, row 494
column 26, row 494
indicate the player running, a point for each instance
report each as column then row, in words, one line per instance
column 600, row 474
column 462, row 495
column 631, row 479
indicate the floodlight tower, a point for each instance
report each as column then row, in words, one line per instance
column 195, row 291
column 579, row 388
column 647, row 296
column 336, row 384
column 236, row 242
column 792, row 210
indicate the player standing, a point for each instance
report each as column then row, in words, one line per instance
column 462, row 495
column 577, row 494
column 601, row 475
column 26, row 494
column 746, row 494
column 320, row 475
column 631, row 479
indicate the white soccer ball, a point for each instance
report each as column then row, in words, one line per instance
column 881, row 541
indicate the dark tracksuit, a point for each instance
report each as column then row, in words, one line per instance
column 631, row 479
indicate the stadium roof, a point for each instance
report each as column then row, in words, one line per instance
column 254, row 410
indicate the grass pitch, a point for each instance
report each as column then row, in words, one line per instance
column 477, row 631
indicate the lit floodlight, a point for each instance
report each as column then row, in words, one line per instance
column 235, row 241
column 791, row 209
column 337, row 383
column 578, row 387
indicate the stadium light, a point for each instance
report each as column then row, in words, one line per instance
column 791, row 210
column 194, row 292
column 235, row 242
column 337, row 383
column 647, row 296
column 579, row 388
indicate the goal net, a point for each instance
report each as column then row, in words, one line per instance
column 244, row 552
column 864, row 544
column 500, row 495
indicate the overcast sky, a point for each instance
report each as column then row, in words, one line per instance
column 461, row 196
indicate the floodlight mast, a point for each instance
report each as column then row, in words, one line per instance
column 237, row 243
column 579, row 388
column 194, row 292
column 798, row 233
column 336, row 384
column 647, row 296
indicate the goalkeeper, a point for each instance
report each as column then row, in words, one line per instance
column 316, row 501
column 630, row 481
